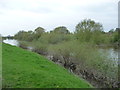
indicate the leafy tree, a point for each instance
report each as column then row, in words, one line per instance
column 30, row 32
column 61, row 30
column 88, row 30
column 20, row 35
column 54, row 38
column 38, row 32
column 23, row 35
column 111, row 31
column 89, row 25
column 116, row 35
column 58, row 35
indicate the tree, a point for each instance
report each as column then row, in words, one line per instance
column 61, row 30
column 24, row 35
column 88, row 25
column 20, row 35
column 38, row 32
column 116, row 36
column 87, row 28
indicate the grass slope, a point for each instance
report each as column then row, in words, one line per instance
column 25, row 69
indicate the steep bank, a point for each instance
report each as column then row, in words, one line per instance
column 23, row 69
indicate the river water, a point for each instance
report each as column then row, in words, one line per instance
column 111, row 52
column 11, row 42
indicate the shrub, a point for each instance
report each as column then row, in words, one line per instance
column 40, row 48
column 23, row 44
column 88, row 58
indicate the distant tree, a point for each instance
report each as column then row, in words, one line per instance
column 89, row 25
column 1, row 38
column 111, row 31
column 61, row 30
column 117, row 30
column 30, row 32
column 88, row 29
column 20, row 35
column 116, row 36
column 24, row 35
column 38, row 32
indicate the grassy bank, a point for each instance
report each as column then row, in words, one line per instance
column 23, row 69
column 87, row 59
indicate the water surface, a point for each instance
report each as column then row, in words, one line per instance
column 11, row 42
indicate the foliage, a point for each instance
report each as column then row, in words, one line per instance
column 89, row 30
column 39, row 47
column 88, row 25
column 23, row 35
column 116, row 36
column 61, row 30
column 38, row 32
column 54, row 38
column 86, row 31
column 24, row 44
column 83, row 54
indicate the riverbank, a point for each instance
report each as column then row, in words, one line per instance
column 25, row 69
column 87, row 62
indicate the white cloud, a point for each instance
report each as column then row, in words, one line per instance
column 18, row 15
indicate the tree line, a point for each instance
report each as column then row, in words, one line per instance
column 85, row 31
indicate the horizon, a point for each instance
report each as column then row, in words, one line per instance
column 30, row 14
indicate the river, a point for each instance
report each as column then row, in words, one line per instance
column 111, row 52
column 11, row 42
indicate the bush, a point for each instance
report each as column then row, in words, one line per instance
column 40, row 48
column 54, row 38
column 88, row 58
column 23, row 44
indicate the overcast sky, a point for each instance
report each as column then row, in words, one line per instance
column 27, row 15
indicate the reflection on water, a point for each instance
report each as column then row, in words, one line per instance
column 111, row 52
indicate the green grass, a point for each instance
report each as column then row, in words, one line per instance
column 25, row 69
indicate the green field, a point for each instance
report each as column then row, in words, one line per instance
column 25, row 69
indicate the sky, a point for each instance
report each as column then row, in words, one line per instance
column 119, row 14
column 16, row 15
